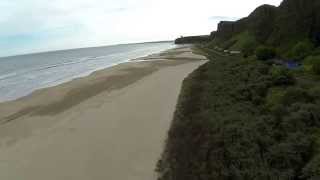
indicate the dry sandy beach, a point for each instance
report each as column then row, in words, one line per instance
column 110, row 125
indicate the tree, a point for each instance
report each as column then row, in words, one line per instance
column 301, row 50
column 265, row 53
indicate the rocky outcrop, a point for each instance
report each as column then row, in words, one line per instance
column 259, row 22
column 227, row 29
column 292, row 21
column 297, row 20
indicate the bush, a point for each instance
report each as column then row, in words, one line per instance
column 248, row 48
column 301, row 50
column 265, row 53
column 315, row 93
column 232, row 124
column 228, row 44
column 294, row 95
column 316, row 68
column 312, row 170
column 274, row 97
column 282, row 76
column 316, row 52
column 312, row 63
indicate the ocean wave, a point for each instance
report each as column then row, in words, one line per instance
column 66, row 63
column 34, row 74
column 5, row 76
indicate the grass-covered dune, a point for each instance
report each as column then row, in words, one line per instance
column 243, row 119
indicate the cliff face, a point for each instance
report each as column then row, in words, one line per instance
column 297, row 20
column 292, row 21
column 259, row 23
column 227, row 29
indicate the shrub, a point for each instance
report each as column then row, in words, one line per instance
column 316, row 52
column 316, row 68
column 312, row 170
column 274, row 96
column 265, row 53
column 248, row 48
column 282, row 76
column 312, row 63
column 231, row 123
column 301, row 50
column 294, row 95
column 228, row 44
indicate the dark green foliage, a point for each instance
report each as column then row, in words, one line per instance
column 312, row 63
column 316, row 67
column 249, row 48
column 312, row 170
column 281, row 27
column 265, row 53
column 301, row 50
column 297, row 20
column 243, row 119
column 282, row 76
column 224, row 130
column 316, row 52
column 294, row 95
column 227, row 44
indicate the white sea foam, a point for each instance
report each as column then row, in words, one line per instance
column 21, row 75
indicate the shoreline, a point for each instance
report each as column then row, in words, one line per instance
column 110, row 124
column 19, row 91
column 146, row 58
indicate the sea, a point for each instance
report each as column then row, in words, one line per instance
column 21, row 75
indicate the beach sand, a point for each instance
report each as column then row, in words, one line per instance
column 109, row 125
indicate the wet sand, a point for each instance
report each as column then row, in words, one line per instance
column 109, row 125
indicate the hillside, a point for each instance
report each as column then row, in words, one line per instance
column 254, row 115
column 281, row 27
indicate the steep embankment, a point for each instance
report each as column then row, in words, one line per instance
column 241, row 119
column 252, row 117
column 282, row 27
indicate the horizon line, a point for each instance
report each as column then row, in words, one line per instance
column 88, row 47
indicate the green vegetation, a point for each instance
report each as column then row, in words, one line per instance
column 300, row 50
column 255, row 117
column 240, row 118
column 265, row 53
column 316, row 68
column 312, row 64
column 293, row 28
column 248, row 48
column 281, row 76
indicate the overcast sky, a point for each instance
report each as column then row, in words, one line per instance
column 28, row 26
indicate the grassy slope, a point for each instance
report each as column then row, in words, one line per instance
column 233, row 121
column 281, row 27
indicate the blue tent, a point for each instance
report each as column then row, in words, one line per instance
column 292, row 64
